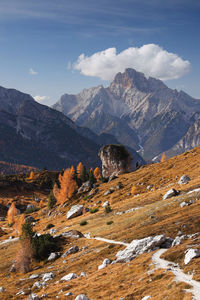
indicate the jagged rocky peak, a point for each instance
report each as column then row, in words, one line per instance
column 115, row 159
column 133, row 79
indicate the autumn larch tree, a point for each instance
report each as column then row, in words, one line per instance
column 12, row 213
column 97, row 173
column 163, row 157
column 68, row 185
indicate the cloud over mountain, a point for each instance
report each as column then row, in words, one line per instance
column 150, row 59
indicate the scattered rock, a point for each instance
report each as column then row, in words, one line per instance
column 104, row 264
column 30, row 206
column 75, row 211
column 71, row 250
column 44, row 296
column 53, row 256
column 39, row 285
column 53, row 230
column 33, row 276
column 69, row 277
column 119, row 186
column 108, row 192
column 69, row 294
column 112, row 177
column 93, row 192
column 75, row 234
column 82, row 297
column 184, row 179
column 33, row 297
column 137, row 247
column 149, row 187
column 186, row 203
column 85, row 187
column 30, row 219
column 105, row 204
column 13, row 269
column 191, row 253
column 48, row 276
column 115, row 160
column 146, row 298
column 171, row 193
column 2, row 289
column 83, row 274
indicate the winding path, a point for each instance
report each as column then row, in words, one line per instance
column 161, row 263
column 105, row 240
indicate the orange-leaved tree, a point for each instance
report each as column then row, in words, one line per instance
column 97, row 173
column 163, row 157
column 79, row 169
column 68, row 185
column 19, row 221
column 31, row 176
column 12, row 213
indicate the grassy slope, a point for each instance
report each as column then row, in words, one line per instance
column 130, row 280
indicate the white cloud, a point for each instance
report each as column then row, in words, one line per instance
column 32, row 72
column 150, row 59
column 41, row 99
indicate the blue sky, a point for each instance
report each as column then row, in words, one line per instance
column 41, row 40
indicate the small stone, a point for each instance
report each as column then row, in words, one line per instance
column 53, row 230
column 33, row 297
column 69, row 294
column 191, row 253
column 33, row 276
column 171, row 193
column 71, row 250
column 2, row 289
column 146, row 298
column 83, row 274
column 106, row 203
column 13, row 269
column 184, row 179
column 183, row 204
column 82, row 297
column 69, row 277
column 48, row 276
column 53, row 256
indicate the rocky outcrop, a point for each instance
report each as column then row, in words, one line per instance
column 115, row 159
column 75, row 211
column 191, row 253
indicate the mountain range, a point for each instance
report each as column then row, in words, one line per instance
column 142, row 113
column 39, row 136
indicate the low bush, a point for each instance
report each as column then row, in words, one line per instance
column 51, row 201
column 109, row 222
column 83, row 223
column 108, row 209
column 31, row 210
column 43, row 245
column 94, row 210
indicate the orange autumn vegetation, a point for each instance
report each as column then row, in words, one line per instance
column 12, row 213
column 19, row 221
column 97, row 173
column 68, row 185
column 79, row 169
column 163, row 157
column 31, row 176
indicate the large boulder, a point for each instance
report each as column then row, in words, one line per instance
column 69, row 277
column 171, row 193
column 191, row 253
column 137, row 247
column 184, row 179
column 75, row 211
column 115, row 159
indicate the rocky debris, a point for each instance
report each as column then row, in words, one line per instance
column 23, row 292
column 184, row 179
column 146, row 298
column 39, row 284
column 105, row 204
column 31, row 206
column 74, row 234
column 83, row 274
column 85, row 187
column 75, row 211
column 115, row 159
column 69, row 294
column 82, row 297
column 190, row 254
column 44, row 296
column 104, row 264
column 127, row 211
column 93, row 192
column 33, row 276
column 108, row 192
column 149, row 187
column 2, row 289
column 187, row 203
column 53, row 256
column 112, row 177
column 171, row 193
column 30, row 219
column 48, row 276
column 137, row 247
column 53, row 230
column 194, row 191
column 13, row 269
column 71, row 250
column 69, row 277
column 178, row 239
column 33, row 297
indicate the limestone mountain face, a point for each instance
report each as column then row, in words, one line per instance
column 141, row 113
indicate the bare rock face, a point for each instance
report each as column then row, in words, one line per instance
column 115, row 159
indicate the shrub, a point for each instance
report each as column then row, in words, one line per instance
column 108, row 209
column 50, row 225
column 83, row 223
column 43, row 245
column 51, row 200
column 109, row 222
column 86, row 197
column 94, row 210
column 31, row 210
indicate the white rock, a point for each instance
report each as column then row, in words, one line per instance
column 30, row 206
column 69, row 294
column 83, row 274
column 69, row 277
column 82, row 297
column 184, row 179
column 71, row 250
column 146, row 298
column 104, row 264
column 171, row 193
column 75, row 211
column 33, row 297
column 39, row 285
column 33, row 276
column 178, row 240
column 137, row 247
column 105, row 204
column 53, row 230
column 191, row 253
column 48, row 276
column 53, row 256
column 2, row 289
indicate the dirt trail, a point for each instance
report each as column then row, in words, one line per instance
column 180, row 276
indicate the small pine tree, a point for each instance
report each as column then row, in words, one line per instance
column 84, row 176
column 92, row 179
column 51, row 200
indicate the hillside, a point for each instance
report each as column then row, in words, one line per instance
column 134, row 216
column 142, row 113
column 9, row 168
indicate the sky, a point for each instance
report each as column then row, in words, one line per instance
column 52, row 47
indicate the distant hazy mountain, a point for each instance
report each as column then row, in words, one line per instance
column 36, row 135
column 142, row 113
